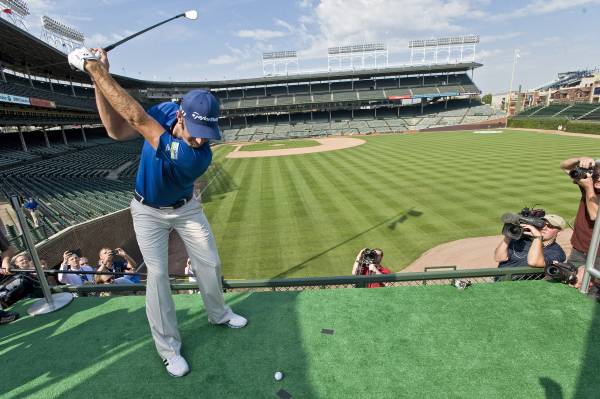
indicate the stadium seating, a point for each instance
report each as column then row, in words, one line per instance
column 61, row 100
column 582, row 111
column 72, row 187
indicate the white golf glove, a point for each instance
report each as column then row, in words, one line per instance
column 78, row 57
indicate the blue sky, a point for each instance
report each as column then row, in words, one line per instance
column 228, row 38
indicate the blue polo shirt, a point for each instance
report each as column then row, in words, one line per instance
column 167, row 174
column 518, row 250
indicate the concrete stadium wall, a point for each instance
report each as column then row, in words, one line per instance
column 488, row 124
column 114, row 230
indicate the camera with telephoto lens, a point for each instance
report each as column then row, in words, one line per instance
column 561, row 272
column 512, row 222
column 369, row 256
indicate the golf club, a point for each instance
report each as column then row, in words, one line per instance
column 191, row 14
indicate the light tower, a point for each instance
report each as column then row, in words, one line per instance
column 15, row 11
column 60, row 35
column 456, row 49
column 371, row 55
column 280, row 63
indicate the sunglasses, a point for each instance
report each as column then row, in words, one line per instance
column 548, row 225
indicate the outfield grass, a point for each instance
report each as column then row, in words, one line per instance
column 279, row 145
column 506, row 340
column 308, row 215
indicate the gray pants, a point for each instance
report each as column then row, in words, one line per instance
column 152, row 227
column 578, row 258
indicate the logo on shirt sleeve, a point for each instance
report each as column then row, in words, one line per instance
column 174, row 149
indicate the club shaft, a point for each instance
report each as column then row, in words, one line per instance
column 112, row 46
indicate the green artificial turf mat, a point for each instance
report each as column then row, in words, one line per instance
column 512, row 339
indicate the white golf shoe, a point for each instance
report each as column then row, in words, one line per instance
column 177, row 366
column 235, row 321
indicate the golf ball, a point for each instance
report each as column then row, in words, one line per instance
column 278, row 376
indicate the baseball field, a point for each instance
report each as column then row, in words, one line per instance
column 310, row 214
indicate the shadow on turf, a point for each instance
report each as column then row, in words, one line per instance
column 398, row 218
column 115, row 356
column 222, row 184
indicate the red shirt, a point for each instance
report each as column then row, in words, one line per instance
column 582, row 231
column 383, row 270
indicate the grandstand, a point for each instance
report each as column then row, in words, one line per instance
column 566, row 110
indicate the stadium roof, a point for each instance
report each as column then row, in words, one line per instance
column 43, row 59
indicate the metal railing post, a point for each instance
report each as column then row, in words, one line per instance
column 51, row 302
column 591, row 259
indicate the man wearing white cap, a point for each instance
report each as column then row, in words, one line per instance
column 537, row 247
column 176, row 152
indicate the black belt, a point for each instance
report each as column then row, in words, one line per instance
column 175, row 205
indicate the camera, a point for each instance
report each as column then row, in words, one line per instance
column 512, row 222
column 369, row 256
column 579, row 173
column 561, row 272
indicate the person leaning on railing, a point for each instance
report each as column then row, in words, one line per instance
column 71, row 261
column 537, row 247
column 7, row 252
column 107, row 263
column 361, row 268
column 586, row 213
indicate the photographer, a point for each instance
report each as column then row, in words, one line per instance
column 7, row 251
column 108, row 264
column 584, row 172
column 71, row 261
column 368, row 262
column 536, row 247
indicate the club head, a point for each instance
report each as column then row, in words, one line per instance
column 191, row 14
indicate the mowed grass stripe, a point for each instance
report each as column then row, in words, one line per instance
column 461, row 182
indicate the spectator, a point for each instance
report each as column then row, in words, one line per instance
column 537, row 247
column 368, row 262
column 108, row 264
column 190, row 273
column 31, row 206
column 71, row 261
column 6, row 251
column 586, row 214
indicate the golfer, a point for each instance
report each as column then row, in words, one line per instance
column 176, row 152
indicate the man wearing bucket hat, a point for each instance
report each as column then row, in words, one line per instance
column 537, row 247
column 176, row 152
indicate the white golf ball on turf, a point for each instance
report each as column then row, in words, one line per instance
column 278, row 376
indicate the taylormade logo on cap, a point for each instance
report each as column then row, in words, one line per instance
column 196, row 115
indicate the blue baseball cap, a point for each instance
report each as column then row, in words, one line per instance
column 200, row 110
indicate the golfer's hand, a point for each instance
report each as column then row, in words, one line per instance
column 102, row 56
column 78, row 57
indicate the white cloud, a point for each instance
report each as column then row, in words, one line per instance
column 359, row 21
column 547, row 6
column 223, row 59
column 260, row 34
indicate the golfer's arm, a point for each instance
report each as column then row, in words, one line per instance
column 116, row 127
column 129, row 109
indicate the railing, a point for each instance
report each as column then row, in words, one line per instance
column 473, row 276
